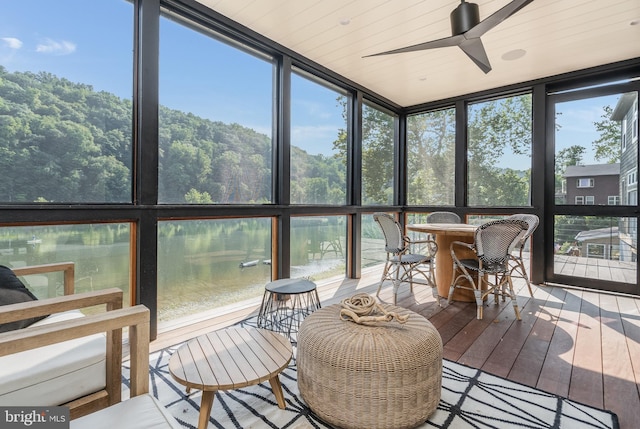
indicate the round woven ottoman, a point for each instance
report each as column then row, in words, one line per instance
column 374, row 376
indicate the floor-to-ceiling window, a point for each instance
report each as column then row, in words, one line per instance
column 595, row 146
column 66, row 137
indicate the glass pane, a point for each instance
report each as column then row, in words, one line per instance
column 100, row 252
column 215, row 120
column 499, row 152
column 66, row 101
column 596, row 247
column 431, row 158
column 377, row 156
column 596, row 155
column 373, row 252
column 318, row 246
column 205, row 264
column 318, row 143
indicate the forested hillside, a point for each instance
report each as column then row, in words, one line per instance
column 62, row 141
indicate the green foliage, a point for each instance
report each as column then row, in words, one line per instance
column 494, row 126
column 431, row 155
column 64, row 142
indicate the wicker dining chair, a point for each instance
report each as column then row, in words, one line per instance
column 443, row 217
column 493, row 243
column 517, row 262
column 401, row 264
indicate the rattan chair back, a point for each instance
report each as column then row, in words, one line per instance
column 443, row 217
column 495, row 240
column 532, row 221
column 393, row 237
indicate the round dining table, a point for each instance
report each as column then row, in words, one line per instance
column 445, row 234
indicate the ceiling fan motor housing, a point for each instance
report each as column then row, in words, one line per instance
column 464, row 17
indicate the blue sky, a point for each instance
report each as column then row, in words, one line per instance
column 90, row 41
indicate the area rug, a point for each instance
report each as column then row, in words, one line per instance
column 470, row 399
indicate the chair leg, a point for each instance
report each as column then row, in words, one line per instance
column 479, row 303
column 523, row 273
column 514, row 302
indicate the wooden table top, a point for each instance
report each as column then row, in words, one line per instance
column 230, row 358
column 459, row 229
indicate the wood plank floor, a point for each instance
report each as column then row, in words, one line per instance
column 576, row 343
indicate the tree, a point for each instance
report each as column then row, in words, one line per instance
column 493, row 127
column 607, row 146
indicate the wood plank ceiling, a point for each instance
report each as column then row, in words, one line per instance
column 557, row 36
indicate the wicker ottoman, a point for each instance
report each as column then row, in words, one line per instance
column 386, row 375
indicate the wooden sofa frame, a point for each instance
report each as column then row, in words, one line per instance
column 110, row 322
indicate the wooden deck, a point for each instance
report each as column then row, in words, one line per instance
column 576, row 343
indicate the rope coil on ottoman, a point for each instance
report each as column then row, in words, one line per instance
column 382, row 372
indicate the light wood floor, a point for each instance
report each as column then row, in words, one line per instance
column 576, row 343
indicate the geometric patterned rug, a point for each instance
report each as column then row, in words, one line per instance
column 470, row 399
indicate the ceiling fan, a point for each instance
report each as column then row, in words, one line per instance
column 466, row 29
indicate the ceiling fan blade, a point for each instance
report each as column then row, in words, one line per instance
column 496, row 18
column 475, row 50
column 440, row 43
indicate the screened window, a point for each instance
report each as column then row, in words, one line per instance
column 318, row 246
column 318, row 142
column 613, row 200
column 206, row 264
column 101, row 255
column 579, row 199
column 589, row 199
column 215, row 119
column 377, row 155
column 588, row 152
column 66, row 101
column 431, row 158
column 499, row 152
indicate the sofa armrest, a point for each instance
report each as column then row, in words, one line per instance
column 111, row 322
column 112, row 298
column 67, row 267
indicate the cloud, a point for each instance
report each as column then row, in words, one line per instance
column 56, row 48
column 12, row 42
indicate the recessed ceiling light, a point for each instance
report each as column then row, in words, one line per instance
column 422, row 78
column 635, row 22
column 345, row 21
column 514, row 55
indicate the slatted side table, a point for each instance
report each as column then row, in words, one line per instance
column 285, row 304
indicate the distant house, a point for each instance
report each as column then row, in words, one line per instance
column 593, row 184
column 602, row 243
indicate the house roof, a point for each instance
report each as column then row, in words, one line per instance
column 592, row 170
column 624, row 104
column 596, row 234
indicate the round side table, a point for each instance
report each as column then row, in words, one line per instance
column 285, row 304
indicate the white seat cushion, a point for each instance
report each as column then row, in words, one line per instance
column 139, row 412
column 54, row 374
